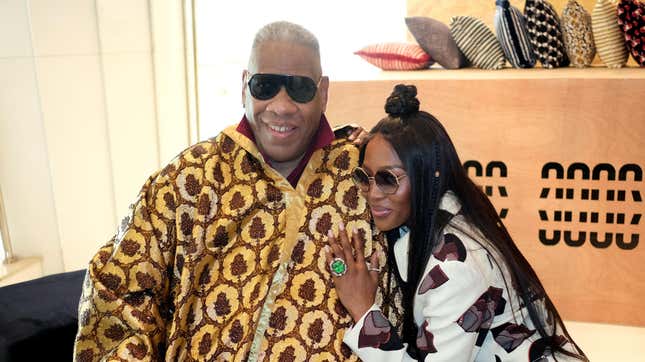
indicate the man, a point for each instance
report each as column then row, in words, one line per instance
column 221, row 256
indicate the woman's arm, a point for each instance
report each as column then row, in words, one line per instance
column 456, row 315
column 456, row 302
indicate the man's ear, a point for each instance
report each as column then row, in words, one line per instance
column 323, row 88
column 244, row 75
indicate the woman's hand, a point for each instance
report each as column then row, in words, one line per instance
column 356, row 288
column 359, row 135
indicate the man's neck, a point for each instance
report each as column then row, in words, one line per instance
column 285, row 168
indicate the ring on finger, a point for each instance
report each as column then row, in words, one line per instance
column 371, row 268
column 338, row 267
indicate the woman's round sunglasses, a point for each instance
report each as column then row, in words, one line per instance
column 264, row 86
column 385, row 180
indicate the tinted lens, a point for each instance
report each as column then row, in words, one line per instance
column 386, row 181
column 301, row 89
column 360, row 178
column 265, row 86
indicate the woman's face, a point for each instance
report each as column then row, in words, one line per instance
column 393, row 210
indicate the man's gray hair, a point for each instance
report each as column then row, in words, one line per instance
column 284, row 31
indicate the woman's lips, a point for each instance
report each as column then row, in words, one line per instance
column 380, row 212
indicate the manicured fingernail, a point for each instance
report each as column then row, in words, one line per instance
column 354, row 231
column 330, row 233
column 341, row 226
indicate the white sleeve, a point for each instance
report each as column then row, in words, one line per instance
column 373, row 338
column 454, row 313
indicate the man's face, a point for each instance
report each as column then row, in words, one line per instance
column 284, row 128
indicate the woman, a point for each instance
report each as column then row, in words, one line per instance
column 468, row 293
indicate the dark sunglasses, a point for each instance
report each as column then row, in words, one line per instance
column 385, row 180
column 264, row 86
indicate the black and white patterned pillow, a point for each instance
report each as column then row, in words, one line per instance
column 545, row 34
column 513, row 36
column 477, row 42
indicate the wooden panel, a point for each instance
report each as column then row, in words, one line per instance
column 526, row 121
column 443, row 10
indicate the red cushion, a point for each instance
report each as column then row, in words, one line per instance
column 631, row 17
column 395, row 56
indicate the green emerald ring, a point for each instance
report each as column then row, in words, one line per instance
column 338, row 267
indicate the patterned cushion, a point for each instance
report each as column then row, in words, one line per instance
column 395, row 56
column 545, row 35
column 435, row 38
column 477, row 42
column 513, row 36
column 577, row 34
column 609, row 39
column 631, row 17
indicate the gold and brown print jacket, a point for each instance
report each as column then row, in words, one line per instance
column 221, row 259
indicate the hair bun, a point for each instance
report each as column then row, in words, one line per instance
column 402, row 101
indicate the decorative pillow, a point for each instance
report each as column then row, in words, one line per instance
column 544, row 32
column 512, row 35
column 631, row 17
column 435, row 38
column 395, row 56
column 577, row 34
column 477, row 42
column 609, row 39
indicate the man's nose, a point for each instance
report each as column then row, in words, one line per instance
column 282, row 103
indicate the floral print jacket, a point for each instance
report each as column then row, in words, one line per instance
column 462, row 307
column 219, row 260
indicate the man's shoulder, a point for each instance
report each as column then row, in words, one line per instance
column 205, row 148
column 343, row 131
column 341, row 139
column 196, row 155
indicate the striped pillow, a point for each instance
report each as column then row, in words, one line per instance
column 435, row 39
column 477, row 42
column 395, row 56
column 512, row 35
column 577, row 34
column 631, row 17
column 545, row 35
column 609, row 39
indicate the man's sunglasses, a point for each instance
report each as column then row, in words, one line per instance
column 385, row 180
column 264, row 86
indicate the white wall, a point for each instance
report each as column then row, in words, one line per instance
column 80, row 126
